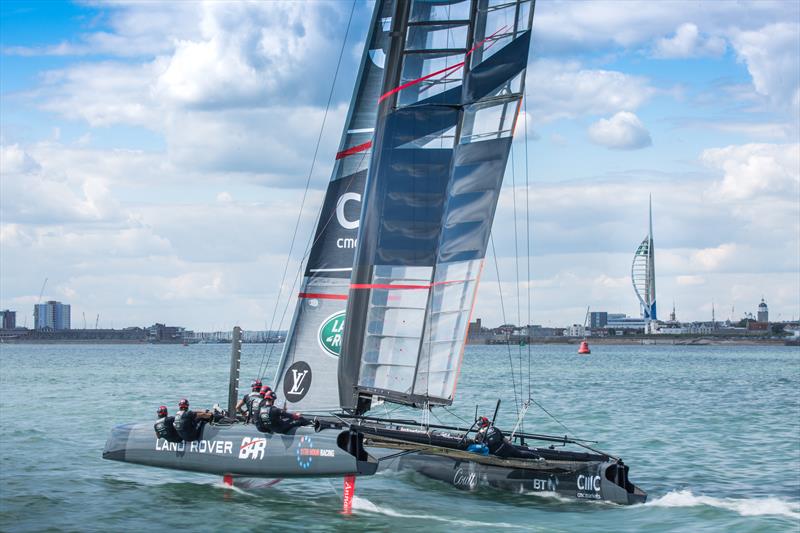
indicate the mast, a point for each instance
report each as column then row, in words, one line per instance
column 362, row 274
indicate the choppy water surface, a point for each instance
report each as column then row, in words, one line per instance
column 711, row 433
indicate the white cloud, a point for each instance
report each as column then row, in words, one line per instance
column 690, row 280
column 754, row 169
column 687, row 42
column 710, row 259
column 567, row 90
column 623, row 131
column 771, row 55
column 15, row 160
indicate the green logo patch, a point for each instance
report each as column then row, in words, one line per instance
column 330, row 334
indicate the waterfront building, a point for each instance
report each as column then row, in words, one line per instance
column 8, row 319
column 598, row 319
column 763, row 312
column 621, row 322
column 643, row 273
column 52, row 315
column 162, row 333
column 575, row 330
column 474, row 330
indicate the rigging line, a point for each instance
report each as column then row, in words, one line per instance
column 540, row 406
column 516, row 263
column 455, row 415
column 503, row 311
column 310, row 173
column 528, row 232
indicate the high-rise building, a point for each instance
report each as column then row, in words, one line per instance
column 643, row 273
column 51, row 315
column 763, row 312
column 8, row 319
column 598, row 319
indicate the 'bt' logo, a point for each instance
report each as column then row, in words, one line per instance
column 252, row 448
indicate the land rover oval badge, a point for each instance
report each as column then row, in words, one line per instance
column 330, row 334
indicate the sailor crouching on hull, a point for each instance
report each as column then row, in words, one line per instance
column 272, row 419
column 188, row 423
column 165, row 426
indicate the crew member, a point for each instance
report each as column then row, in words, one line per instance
column 188, row 423
column 243, row 406
column 272, row 419
column 498, row 444
column 165, row 427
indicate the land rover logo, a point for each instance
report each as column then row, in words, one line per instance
column 330, row 334
column 297, row 381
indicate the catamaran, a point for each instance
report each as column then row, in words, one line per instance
column 391, row 276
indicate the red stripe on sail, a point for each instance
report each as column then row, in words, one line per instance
column 322, row 296
column 354, row 150
column 408, row 84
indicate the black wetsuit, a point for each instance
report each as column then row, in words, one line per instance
column 187, row 425
column 271, row 419
column 497, row 444
column 165, row 429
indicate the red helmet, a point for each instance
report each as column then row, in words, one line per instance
column 183, row 404
column 268, row 395
column 256, row 386
column 162, row 411
column 265, row 388
column 483, row 422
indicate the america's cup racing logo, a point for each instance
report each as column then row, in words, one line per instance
column 306, row 452
column 330, row 334
column 297, row 381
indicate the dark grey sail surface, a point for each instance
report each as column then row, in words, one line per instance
column 307, row 373
column 451, row 96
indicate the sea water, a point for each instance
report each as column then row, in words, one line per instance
column 712, row 433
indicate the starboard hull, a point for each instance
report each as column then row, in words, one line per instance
column 590, row 481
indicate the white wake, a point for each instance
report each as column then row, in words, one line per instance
column 363, row 504
column 745, row 507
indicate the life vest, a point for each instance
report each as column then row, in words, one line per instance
column 253, row 401
column 165, row 429
column 185, row 425
column 268, row 419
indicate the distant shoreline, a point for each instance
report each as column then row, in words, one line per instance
column 662, row 340
column 633, row 341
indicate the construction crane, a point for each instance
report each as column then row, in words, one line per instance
column 41, row 292
column 84, row 320
column 97, row 321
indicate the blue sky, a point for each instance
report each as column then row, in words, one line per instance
column 154, row 154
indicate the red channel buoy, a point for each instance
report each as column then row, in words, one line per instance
column 584, row 348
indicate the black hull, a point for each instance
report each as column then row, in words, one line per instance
column 571, row 474
column 591, row 481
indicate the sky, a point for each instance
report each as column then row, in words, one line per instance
column 153, row 157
